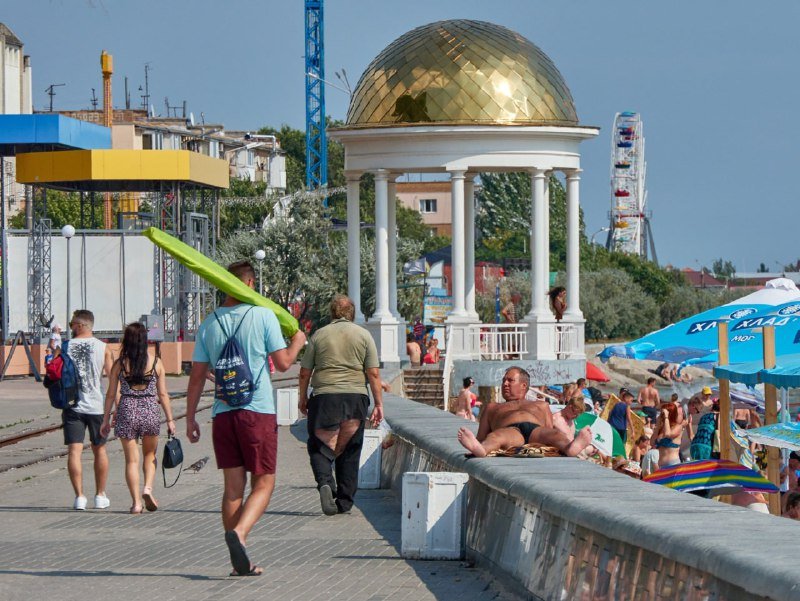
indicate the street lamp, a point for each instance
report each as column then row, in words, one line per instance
column 260, row 255
column 68, row 232
column 601, row 230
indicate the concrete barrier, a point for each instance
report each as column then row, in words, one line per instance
column 567, row 529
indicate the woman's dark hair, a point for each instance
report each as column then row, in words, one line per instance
column 467, row 382
column 133, row 350
column 554, row 292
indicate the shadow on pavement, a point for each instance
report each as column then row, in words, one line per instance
column 107, row 573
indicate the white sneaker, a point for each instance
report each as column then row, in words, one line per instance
column 80, row 503
column 100, row 502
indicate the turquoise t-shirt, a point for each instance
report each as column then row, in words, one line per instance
column 259, row 335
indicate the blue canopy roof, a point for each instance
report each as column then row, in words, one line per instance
column 785, row 374
column 42, row 132
column 741, row 373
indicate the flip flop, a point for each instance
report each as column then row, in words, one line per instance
column 239, row 559
column 254, row 571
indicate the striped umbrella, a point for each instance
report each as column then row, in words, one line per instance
column 719, row 476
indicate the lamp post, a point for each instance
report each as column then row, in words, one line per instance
column 260, row 255
column 68, row 232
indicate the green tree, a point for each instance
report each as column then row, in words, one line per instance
column 64, row 208
column 722, row 268
column 615, row 306
column 503, row 219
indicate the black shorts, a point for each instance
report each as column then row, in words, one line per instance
column 327, row 411
column 75, row 425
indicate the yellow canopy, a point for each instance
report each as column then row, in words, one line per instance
column 121, row 170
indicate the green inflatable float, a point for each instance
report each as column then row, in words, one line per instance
column 218, row 276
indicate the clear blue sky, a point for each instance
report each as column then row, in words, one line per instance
column 716, row 83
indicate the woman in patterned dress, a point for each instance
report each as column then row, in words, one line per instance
column 139, row 380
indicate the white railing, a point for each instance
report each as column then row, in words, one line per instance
column 500, row 341
column 566, row 340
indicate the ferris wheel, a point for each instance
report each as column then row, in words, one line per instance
column 629, row 230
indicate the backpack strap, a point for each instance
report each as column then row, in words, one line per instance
column 239, row 325
column 241, row 321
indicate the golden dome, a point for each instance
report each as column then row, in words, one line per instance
column 461, row 72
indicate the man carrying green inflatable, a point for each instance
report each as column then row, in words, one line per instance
column 235, row 342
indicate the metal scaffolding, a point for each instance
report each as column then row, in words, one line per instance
column 39, row 270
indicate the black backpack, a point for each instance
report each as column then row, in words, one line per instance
column 232, row 375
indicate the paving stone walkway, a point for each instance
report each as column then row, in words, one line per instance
column 48, row 550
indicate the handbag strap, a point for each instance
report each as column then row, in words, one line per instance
column 164, row 471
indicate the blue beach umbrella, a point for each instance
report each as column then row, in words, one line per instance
column 694, row 340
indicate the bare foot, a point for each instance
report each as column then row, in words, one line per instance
column 582, row 440
column 469, row 442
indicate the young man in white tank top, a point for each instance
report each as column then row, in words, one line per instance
column 92, row 358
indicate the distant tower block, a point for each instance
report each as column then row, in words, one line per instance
column 629, row 230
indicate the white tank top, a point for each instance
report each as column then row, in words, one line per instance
column 88, row 355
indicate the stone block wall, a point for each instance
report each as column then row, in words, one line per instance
column 566, row 529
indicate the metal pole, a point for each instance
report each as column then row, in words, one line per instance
column 69, row 291
column 4, row 291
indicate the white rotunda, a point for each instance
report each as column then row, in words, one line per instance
column 463, row 97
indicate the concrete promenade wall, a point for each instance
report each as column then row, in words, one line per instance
column 563, row 528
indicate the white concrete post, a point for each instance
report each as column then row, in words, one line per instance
column 354, row 243
column 540, row 246
column 573, row 245
column 547, row 228
column 469, row 242
column 458, row 267
column 392, row 228
column 381, row 246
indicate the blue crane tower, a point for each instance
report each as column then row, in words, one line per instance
column 316, row 142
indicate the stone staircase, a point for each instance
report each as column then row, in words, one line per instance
column 424, row 384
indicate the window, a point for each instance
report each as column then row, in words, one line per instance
column 427, row 205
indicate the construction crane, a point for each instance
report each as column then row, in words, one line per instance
column 316, row 140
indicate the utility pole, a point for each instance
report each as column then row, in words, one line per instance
column 146, row 95
column 51, row 92
column 94, row 100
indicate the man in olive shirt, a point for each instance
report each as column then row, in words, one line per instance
column 339, row 361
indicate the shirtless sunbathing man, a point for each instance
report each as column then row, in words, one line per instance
column 517, row 422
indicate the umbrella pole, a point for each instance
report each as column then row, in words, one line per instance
column 724, row 400
column 771, row 417
column 724, row 395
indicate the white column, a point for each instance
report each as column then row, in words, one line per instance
column 392, row 227
column 469, row 243
column 547, row 228
column 573, row 245
column 354, row 243
column 381, row 246
column 539, row 245
column 458, row 267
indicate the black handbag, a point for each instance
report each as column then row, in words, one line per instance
column 173, row 457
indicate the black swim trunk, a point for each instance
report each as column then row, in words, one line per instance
column 75, row 426
column 525, row 428
column 742, row 423
column 651, row 413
